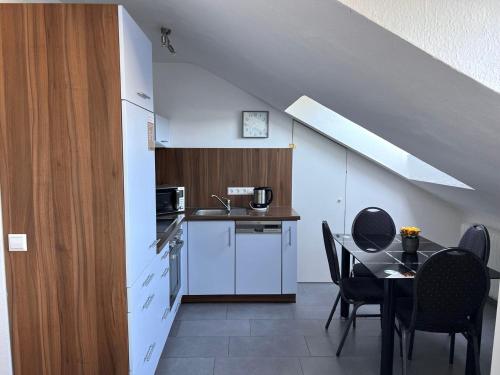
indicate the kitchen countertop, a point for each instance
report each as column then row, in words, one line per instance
column 274, row 213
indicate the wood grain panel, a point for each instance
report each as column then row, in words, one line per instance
column 207, row 171
column 61, row 179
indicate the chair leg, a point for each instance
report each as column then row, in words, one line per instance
column 349, row 323
column 452, row 348
column 410, row 349
column 333, row 311
column 404, row 342
column 475, row 346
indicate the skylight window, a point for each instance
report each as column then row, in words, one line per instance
column 338, row 128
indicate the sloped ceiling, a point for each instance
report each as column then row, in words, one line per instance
column 279, row 50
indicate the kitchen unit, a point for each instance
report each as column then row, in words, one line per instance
column 91, row 295
column 242, row 255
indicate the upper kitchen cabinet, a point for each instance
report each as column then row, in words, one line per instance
column 136, row 62
column 162, row 132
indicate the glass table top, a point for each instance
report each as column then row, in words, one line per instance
column 384, row 256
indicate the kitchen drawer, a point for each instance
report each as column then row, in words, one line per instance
column 138, row 294
column 143, row 325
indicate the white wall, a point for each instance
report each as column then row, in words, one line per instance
column 371, row 185
column 463, row 34
column 204, row 111
column 5, row 354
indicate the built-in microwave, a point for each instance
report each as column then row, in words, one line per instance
column 169, row 199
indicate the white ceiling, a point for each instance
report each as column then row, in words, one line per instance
column 279, row 50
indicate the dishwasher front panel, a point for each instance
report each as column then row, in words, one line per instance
column 258, row 263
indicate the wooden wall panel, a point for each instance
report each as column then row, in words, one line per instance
column 207, row 171
column 61, row 179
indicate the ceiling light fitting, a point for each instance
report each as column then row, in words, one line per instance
column 165, row 40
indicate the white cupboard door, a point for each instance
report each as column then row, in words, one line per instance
column 211, row 256
column 289, row 257
column 139, row 190
column 184, row 261
column 258, row 263
column 162, row 132
column 136, row 62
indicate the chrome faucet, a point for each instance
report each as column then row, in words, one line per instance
column 227, row 205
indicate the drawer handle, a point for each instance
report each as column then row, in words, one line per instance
column 164, row 256
column 155, row 242
column 148, row 280
column 165, row 313
column 148, row 302
column 149, row 353
column 290, row 236
column 143, row 95
column 165, row 273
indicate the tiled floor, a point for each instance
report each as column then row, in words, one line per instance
column 289, row 339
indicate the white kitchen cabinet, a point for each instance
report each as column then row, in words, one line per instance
column 162, row 132
column 258, row 263
column 289, row 257
column 211, row 257
column 184, row 260
column 139, row 190
column 136, row 62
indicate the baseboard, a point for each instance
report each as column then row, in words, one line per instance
column 277, row 298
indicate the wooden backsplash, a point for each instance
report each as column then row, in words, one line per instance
column 207, row 171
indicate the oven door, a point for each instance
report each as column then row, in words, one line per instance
column 175, row 271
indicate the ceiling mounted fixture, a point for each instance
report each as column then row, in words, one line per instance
column 165, row 40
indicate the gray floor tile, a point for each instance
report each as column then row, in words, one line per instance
column 287, row 327
column 355, row 346
column 213, row 328
column 196, row 347
column 283, row 333
column 201, row 311
column 185, row 366
column 260, row 311
column 339, row 366
column 257, row 366
column 268, row 346
column 314, row 312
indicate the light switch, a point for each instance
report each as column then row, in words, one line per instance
column 18, row 242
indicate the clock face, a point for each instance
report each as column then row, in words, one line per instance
column 256, row 124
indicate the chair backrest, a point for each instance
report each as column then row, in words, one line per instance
column 373, row 222
column 331, row 253
column 477, row 240
column 450, row 288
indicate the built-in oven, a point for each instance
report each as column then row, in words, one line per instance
column 169, row 199
column 175, row 266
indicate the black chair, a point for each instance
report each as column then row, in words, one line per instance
column 357, row 291
column 476, row 239
column 450, row 291
column 371, row 223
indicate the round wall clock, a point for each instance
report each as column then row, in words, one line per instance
column 255, row 124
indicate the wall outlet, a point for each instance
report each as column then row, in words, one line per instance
column 239, row 190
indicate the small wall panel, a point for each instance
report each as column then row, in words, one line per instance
column 207, row 171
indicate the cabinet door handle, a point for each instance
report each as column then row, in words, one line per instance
column 149, row 353
column 155, row 242
column 165, row 313
column 143, row 95
column 165, row 272
column 148, row 280
column 289, row 236
column 148, row 301
column 229, row 235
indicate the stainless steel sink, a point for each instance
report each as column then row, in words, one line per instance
column 220, row 212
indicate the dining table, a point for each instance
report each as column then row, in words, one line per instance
column 385, row 258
